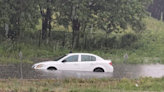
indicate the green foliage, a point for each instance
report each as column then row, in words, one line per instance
column 106, row 15
column 114, row 17
column 120, row 14
column 128, row 39
column 20, row 16
column 31, row 89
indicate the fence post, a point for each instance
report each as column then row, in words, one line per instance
column 149, row 14
column 20, row 55
column 161, row 16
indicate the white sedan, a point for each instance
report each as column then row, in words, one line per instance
column 77, row 62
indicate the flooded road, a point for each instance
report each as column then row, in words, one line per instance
column 136, row 71
column 120, row 71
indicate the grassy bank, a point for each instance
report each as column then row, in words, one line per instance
column 83, row 85
column 148, row 48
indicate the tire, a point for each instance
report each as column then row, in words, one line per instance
column 98, row 70
column 51, row 68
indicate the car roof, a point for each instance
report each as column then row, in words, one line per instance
column 80, row 53
column 85, row 54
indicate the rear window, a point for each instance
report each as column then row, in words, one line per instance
column 88, row 58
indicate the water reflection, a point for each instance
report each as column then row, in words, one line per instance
column 120, row 71
column 136, row 71
column 72, row 74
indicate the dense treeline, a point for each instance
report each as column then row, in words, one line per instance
column 19, row 18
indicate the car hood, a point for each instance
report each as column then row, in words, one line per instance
column 47, row 62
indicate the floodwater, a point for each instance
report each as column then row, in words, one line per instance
column 120, row 71
column 139, row 70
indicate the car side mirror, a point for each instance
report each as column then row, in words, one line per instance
column 64, row 61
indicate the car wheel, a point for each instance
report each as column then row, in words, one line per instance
column 98, row 70
column 51, row 68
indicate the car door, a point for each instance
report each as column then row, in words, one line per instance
column 87, row 62
column 71, row 63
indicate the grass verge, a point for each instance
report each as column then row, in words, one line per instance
column 83, row 85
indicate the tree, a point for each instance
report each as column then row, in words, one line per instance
column 121, row 13
column 78, row 14
column 19, row 16
column 46, row 11
column 108, row 15
column 117, row 14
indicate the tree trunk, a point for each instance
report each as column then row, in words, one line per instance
column 73, row 37
column 44, row 28
column 106, row 40
column 49, row 27
column 40, row 33
column 85, row 39
column 76, row 29
column 77, row 40
column 46, row 23
column 64, row 40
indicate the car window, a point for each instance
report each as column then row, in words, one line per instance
column 88, row 58
column 73, row 58
column 93, row 58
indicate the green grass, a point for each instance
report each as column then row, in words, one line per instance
column 147, row 84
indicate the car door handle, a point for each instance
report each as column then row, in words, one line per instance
column 76, row 64
column 92, row 63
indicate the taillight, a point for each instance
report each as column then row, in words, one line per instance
column 110, row 63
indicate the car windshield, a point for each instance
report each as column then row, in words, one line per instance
column 59, row 58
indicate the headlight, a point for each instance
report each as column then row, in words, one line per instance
column 39, row 66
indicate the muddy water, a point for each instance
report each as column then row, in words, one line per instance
column 120, row 71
